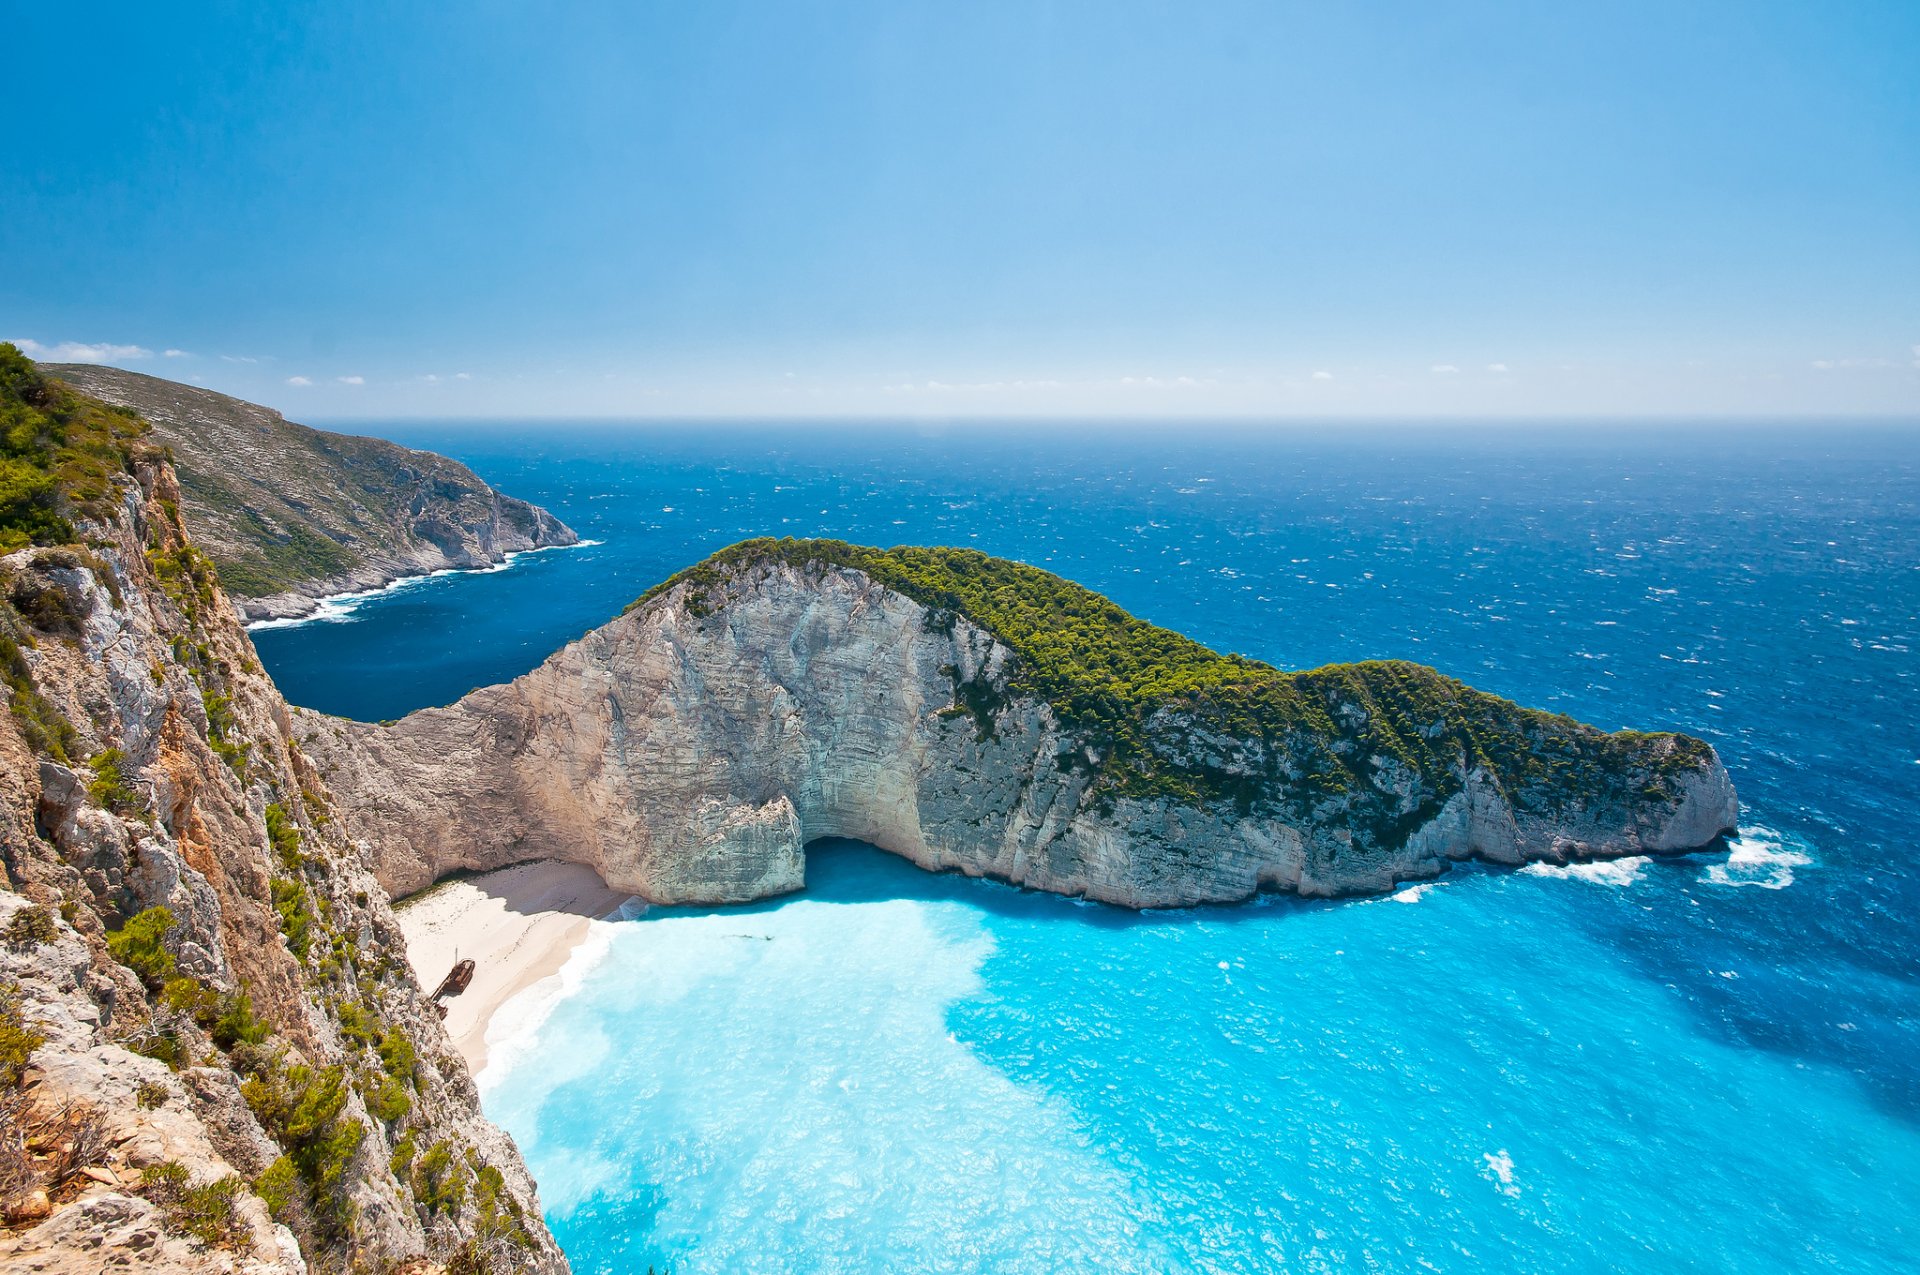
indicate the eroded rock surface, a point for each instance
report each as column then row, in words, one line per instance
column 274, row 1039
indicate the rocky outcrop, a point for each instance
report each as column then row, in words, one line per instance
column 689, row 751
column 291, row 514
column 213, row 1056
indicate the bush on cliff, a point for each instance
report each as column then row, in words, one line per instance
column 58, row 453
column 141, row 946
column 1150, row 700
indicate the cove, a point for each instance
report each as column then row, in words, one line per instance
column 894, row 1071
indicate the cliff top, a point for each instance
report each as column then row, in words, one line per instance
column 1125, row 681
column 281, row 506
column 58, row 453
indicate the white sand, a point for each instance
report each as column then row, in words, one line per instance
column 518, row 925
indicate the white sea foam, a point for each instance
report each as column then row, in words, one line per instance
column 338, row 608
column 1500, row 1167
column 1761, row 857
column 1612, row 872
column 1414, row 893
column 514, row 1030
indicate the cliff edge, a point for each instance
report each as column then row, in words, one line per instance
column 981, row 716
column 213, row 1056
column 291, row 514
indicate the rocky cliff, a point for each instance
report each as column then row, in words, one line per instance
column 213, row 1056
column 291, row 514
column 976, row 715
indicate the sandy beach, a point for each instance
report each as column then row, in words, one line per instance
column 518, row 924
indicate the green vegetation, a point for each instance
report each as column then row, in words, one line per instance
column 1154, row 706
column 17, row 1040
column 109, row 786
column 31, row 926
column 303, row 1108
column 140, row 945
column 227, row 1017
column 45, row 728
column 283, row 836
column 276, row 565
column 59, row 452
column 295, row 909
column 440, row 1180
column 208, row 1212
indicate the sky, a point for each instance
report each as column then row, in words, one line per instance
column 894, row 209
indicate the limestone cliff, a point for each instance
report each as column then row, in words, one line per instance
column 976, row 715
column 213, row 1056
column 290, row 514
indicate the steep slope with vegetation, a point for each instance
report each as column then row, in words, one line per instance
column 290, row 514
column 213, row 1056
column 976, row 714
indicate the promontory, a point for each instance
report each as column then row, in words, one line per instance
column 982, row 716
column 291, row 514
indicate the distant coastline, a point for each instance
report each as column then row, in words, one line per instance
column 337, row 608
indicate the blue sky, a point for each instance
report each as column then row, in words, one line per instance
column 975, row 209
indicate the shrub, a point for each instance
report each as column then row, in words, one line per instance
column 397, row 1053
column 280, row 1187
column 440, row 1180
column 109, row 786
column 31, row 926
column 207, row 1212
column 388, row 1099
column 283, row 835
column 149, row 1095
column 46, row 729
column 140, row 945
column 17, row 1040
column 58, row 453
column 296, row 915
column 358, row 1023
column 303, row 1109
column 234, row 1023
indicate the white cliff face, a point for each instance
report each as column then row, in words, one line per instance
column 690, row 756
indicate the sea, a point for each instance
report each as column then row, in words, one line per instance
column 1701, row 1064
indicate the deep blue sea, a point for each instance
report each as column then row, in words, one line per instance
column 1709, row 1064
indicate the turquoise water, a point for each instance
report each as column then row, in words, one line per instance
column 1709, row 1064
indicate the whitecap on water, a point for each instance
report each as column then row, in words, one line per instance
column 1760, row 857
column 1613, row 872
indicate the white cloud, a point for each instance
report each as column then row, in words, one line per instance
column 1916, row 356
column 81, row 352
column 239, row 358
column 1323, row 376
column 431, row 378
column 1833, row 365
column 351, row 380
column 298, row 380
column 462, row 376
column 1444, row 369
column 1496, row 367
